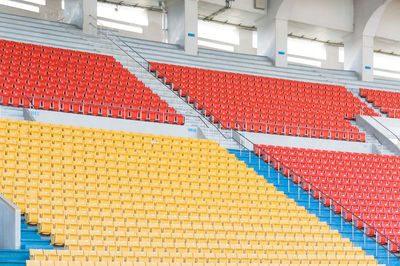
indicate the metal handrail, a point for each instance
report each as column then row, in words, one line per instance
column 298, row 127
column 147, row 68
column 320, row 192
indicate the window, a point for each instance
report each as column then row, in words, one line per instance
column 254, row 40
column 306, row 48
column 124, row 14
column 20, row 5
column 217, row 32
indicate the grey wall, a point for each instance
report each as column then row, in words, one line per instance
column 384, row 129
column 176, row 22
column 62, row 118
column 10, row 224
column 301, row 142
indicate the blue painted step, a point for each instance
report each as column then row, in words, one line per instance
column 30, row 239
column 313, row 206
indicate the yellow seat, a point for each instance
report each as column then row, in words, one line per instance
column 115, row 198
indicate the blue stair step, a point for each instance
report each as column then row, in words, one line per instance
column 313, row 206
column 30, row 239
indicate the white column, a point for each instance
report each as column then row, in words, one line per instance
column 82, row 13
column 332, row 57
column 359, row 46
column 359, row 55
column 272, row 31
column 245, row 42
column 272, row 41
column 52, row 10
column 182, row 24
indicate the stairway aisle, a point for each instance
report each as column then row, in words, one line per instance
column 133, row 62
column 30, row 239
column 313, row 206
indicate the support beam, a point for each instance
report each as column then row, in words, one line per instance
column 52, row 11
column 332, row 57
column 272, row 31
column 82, row 13
column 182, row 24
column 359, row 46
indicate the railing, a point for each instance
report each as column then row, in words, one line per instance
column 307, row 186
column 315, row 192
column 146, row 66
column 292, row 130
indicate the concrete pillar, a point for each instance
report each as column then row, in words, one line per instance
column 52, row 11
column 245, row 42
column 359, row 46
column 182, row 24
column 332, row 57
column 272, row 31
column 82, row 13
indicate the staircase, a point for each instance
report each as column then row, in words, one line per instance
column 138, row 66
column 30, row 239
column 313, row 206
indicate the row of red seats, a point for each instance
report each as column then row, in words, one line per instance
column 63, row 80
column 387, row 101
column 373, row 200
column 240, row 95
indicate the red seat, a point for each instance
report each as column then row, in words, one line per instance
column 88, row 78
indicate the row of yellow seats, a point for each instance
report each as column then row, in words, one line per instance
column 23, row 125
column 203, row 220
column 119, row 140
column 131, row 236
column 138, row 178
column 112, row 245
column 85, row 255
column 277, row 262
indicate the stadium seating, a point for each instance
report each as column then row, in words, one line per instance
column 78, row 82
column 269, row 105
column 127, row 197
column 387, row 101
column 367, row 186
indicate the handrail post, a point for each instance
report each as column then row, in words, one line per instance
column 367, row 233
column 288, row 181
column 278, row 174
column 352, row 228
column 387, row 241
column 319, row 203
column 298, row 189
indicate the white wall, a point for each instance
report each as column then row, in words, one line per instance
column 10, row 224
column 389, row 26
column 334, row 14
column 309, row 143
column 62, row 118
